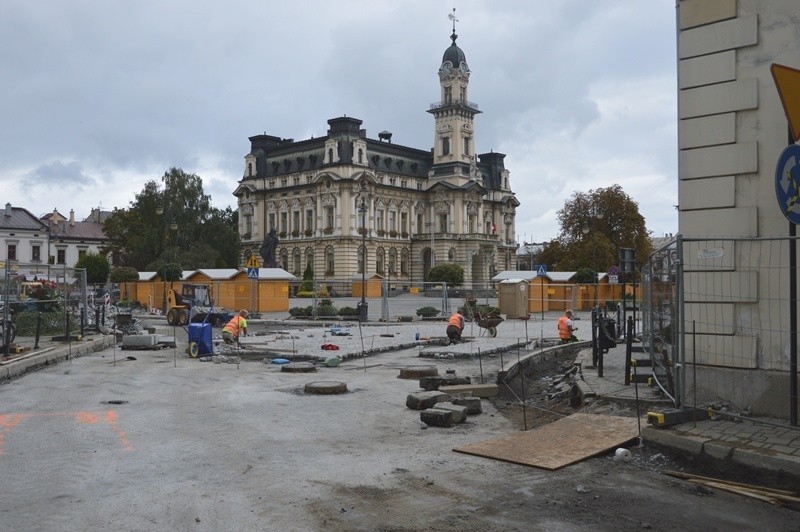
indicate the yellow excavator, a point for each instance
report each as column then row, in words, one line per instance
column 194, row 304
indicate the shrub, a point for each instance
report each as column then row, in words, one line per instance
column 449, row 273
column 327, row 310
column 427, row 312
column 348, row 311
column 300, row 312
column 52, row 323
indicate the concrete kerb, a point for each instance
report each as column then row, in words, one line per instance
column 34, row 360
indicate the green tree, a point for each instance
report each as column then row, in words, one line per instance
column 449, row 273
column 123, row 274
column 594, row 225
column 173, row 222
column 96, row 266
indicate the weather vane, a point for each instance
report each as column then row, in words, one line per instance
column 452, row 16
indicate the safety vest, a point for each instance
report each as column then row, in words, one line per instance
column 456, row 320
column 234, row 325
column 563, row 329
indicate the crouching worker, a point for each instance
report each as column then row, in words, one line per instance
column 566, row 328
column 455, row 326
column 238, row 324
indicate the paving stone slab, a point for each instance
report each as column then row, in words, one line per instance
column 459, row 411
column 472, row 404
column 423, row 400
column 437, row 418
column 478, row 390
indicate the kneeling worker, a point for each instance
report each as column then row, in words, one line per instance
column 455, row 326
column 230, row 333
column 566, row 327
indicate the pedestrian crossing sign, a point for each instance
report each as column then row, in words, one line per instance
column 541, row 271
column 252, row 273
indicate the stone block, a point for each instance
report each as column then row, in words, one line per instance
column 478, row 390
column 139, row 340
column 434, row 382
column 437, row 418
column 459, row 411
column 472, row 404
column 423, row 400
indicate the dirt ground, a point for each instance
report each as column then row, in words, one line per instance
column 162, row 442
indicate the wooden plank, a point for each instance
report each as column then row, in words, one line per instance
column 558, row 444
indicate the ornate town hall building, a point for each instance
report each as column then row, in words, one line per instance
column 421, row 207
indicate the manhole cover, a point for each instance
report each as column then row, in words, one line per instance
column 417, row 372
column 299, row 367
column 326, row 387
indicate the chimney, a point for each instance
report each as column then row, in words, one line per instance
column 8, row 209
column 72, row 217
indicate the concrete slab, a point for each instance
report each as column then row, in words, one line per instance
column 673, row 440
column 478, row 390
column 423, row 400
column 459, row 411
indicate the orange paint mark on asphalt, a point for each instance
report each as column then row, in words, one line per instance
column 86, row 417
column 8, row 422
column 111, row 419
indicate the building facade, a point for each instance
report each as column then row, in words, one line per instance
column 330, row 198
column 734, row 249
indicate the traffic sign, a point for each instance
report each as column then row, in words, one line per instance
column 252, row 262
column 252, row 273
column 541, row 270
column 787, row 81
column 787, row 183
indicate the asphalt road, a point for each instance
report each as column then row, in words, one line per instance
column 164, row 442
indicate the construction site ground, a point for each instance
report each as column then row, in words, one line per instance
column 154, row 440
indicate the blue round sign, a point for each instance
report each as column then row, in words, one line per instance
column 787, row 183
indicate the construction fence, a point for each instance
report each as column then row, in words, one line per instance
column 716, row 324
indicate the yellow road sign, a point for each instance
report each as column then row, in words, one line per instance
column 253, row 262
column 787, row 80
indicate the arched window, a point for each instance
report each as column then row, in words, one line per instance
column 392, row 261
column 360, row 156
column 361, row 258
column 310, row 258
column 285, row 259
column 296, row 260
column 330, row 260
column 380, row 258
column 451, row 255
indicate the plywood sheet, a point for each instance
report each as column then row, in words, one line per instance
column 558, row 444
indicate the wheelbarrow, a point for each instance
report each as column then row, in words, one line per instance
column 489, row 323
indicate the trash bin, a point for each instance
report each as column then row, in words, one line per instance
column 362, row 311
column 200, row 339
column 608, row 333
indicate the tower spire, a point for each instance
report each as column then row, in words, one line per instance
column 452, row 16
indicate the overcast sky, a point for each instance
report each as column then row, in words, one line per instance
column 99, row 96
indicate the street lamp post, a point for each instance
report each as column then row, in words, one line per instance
column 172, row 227
column 362, row 311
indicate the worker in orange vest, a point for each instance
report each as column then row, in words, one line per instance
column 455, row 326
column 230, row 333
column 566, row 328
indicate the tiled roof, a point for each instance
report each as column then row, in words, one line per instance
column 21, row 219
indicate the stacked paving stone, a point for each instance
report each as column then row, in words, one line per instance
column 440, row 409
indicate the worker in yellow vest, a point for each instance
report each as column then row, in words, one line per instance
column 237, row 325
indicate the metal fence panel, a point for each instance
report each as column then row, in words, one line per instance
column 716, row 323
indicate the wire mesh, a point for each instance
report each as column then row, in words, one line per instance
column 716, row 323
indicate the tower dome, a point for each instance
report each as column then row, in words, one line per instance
column 454, row 54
